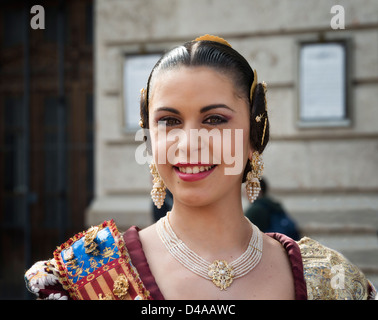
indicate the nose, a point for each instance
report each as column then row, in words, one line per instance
column 198, row 145
column 189, row 144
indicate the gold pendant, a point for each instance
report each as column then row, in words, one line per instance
column 221, row 274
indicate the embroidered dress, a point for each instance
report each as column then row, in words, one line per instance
column 101, row 264
column 93, row 265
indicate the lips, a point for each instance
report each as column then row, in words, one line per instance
column 193, row 172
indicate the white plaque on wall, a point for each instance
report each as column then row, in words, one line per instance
column 322, row 93
column 137, row 69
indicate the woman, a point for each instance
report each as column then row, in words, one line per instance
column 204, row 242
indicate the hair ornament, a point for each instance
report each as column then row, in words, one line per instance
column 265, row 90
column 266, row 109
column 209, row 37
column 142, row 93
column 262, row 139
column 259, row 117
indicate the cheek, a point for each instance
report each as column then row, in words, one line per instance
column 168, row 147
column 154, row 142
column 158, row 144
column 235, row 142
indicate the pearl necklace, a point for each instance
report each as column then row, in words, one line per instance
column 220, row 272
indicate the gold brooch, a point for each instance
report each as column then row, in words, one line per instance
column 221, row 274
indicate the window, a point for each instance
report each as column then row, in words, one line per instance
column 323, row 84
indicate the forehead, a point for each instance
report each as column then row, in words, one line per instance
column 192, row 84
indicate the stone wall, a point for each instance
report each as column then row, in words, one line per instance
column 304, row 166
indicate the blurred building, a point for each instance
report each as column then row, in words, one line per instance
column 322, row 162
column 69, row 115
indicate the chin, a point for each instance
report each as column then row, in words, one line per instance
column 194, row 198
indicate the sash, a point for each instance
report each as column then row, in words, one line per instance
column 95, row 265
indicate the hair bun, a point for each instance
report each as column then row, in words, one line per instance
column 259, row 119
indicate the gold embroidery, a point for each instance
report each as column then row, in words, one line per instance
column 72, row 263
column 90, row 277
column 108, row 296
column 77, row 270
column 121, row 286
column 73, row 274
column 329, row 275
column 89, row 243
column 93, row 263
column 90, row 235
column 108, row 253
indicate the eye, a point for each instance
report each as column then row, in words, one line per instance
column 215, row 119
column 170, row 121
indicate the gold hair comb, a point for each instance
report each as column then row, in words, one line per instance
column 142, row 93
column 259, row 117
column 209, row 37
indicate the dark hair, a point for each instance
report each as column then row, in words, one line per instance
column 264, row 186
column 224, row 59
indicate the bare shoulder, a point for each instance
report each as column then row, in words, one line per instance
column 148, row 237
column 275, row 250
column 152, row 246
column 278, row 269
column 148, row 231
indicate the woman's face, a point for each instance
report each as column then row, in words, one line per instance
column 199, row 128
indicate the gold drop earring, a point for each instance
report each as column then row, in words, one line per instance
column 158, row 190
column 254, row 176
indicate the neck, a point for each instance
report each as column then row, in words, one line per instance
column 215, row 231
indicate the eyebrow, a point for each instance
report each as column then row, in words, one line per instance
column 215, row 106
column 203, row 109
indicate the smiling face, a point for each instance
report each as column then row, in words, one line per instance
column 199, row 127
